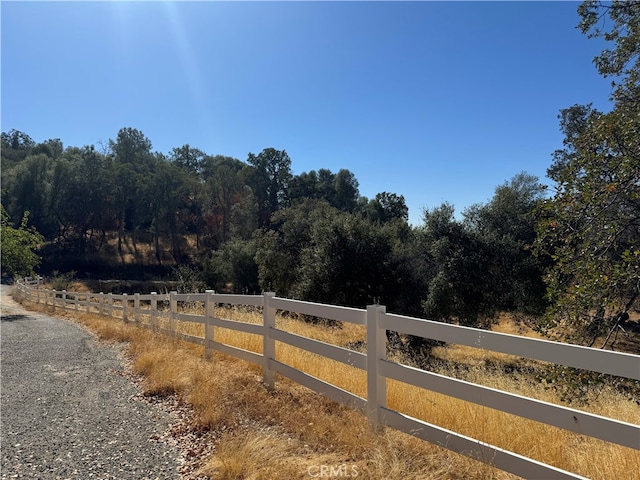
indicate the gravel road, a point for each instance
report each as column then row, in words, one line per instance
column 67, row 410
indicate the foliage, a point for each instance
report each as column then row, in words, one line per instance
column 506, row 226
column 386, row 207
column 61, row 281
column 591, row 226
column 232, row 268
column 460, row 287
column 279, row 250
column 347, row 262
column 270, row 178
column 189, row 279
column 17, row 246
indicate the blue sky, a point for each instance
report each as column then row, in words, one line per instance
column 436, row 101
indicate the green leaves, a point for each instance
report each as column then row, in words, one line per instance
column 18, row 257
column 591, row 227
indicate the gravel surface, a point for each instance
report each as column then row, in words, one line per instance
column 70, row 410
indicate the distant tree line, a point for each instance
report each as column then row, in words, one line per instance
column 254, row 225
column 251, row 226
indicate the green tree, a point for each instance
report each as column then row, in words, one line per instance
column 16, row 146
column 460, row 288
column 132, row 168
column 17, row 246
column 28, row 187
column 279, row 248
column 232, row 268
column 591, row 226
column 269, row 179
column 189, row 158
column 224, row 188
column 348, row 262
column 346, row 188
column 387, row 207
column 507, row 226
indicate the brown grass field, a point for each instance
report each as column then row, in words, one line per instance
column 292, row 432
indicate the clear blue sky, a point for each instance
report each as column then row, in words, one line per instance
column 436, row 101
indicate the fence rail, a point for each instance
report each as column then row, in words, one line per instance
column 155, row 306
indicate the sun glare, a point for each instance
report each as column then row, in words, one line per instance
column 188, row 61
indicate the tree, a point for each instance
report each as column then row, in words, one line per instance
column 279, row 248
column 346, row 188
column 189, row 158
column 233, row 268
column 16, row 145
column 133, row 162
column 387, row 207
column 507, row 227
column 623, row 60
column 460, row 288
column 270, row 180
column 27, row 187
column 224, row 189
column 17, row 245
column 591, row 226
column 348, row 262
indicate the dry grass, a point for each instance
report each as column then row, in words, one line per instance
column 292, row 432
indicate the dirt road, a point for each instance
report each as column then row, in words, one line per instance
column 67, row 410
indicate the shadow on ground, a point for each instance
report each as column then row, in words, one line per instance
column 13, row 318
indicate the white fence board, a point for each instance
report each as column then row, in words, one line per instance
column 332, row 312
column 189, row 297
column 584, row 423
column 191, row 317
column 484, row 452
column 334, row 352
column 190, row 338
column 241, row 353
column 253, row 300
column 323, row 388
column 238, row 326
column 604, row 361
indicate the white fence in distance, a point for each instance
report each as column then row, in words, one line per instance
column 375, row 363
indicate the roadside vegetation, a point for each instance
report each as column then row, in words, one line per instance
column 264, row 434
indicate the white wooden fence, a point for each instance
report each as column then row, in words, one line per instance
column 374, row 362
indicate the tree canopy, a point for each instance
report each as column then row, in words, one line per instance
column 591, row 225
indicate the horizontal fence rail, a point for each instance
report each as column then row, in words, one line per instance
column 147, row 310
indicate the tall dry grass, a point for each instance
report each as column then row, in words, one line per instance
column 291, row 432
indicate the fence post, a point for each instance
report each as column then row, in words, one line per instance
column 173, row 321
column 154, row 311
column 110, row 304
column 376, row 351
column 125, row 305
column 136, row 308
column 208, row 326
column 269, row 344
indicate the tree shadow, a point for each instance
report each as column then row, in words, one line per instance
column 13, row 318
